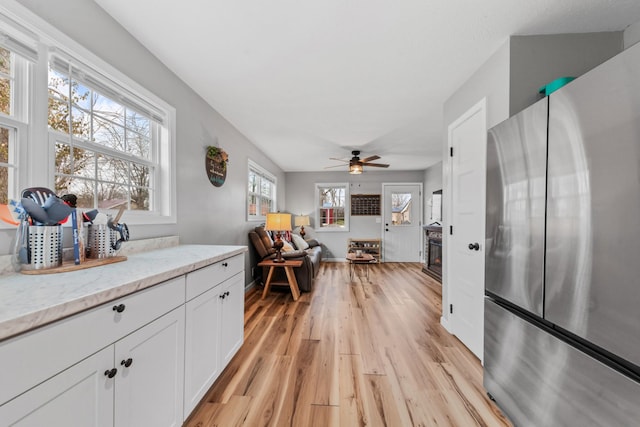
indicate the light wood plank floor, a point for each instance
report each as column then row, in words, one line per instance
column 350, row 354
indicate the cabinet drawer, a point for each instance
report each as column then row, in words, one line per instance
column 202, row 280
column 38, row 355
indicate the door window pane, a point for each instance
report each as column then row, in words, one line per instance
column 401, row 208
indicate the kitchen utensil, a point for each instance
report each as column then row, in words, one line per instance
column 57, row 211
column 76, row 243
column 90, row 216
column 6, row 216
column 113, row 223
column 34, row 210
column 20, row 251
column 124, row 236
column 38, row 194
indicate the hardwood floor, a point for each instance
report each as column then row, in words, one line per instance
column 350, row 354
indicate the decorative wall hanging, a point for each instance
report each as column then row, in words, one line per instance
column 216, row 164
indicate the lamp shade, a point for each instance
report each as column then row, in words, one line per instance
column 278, row 222
column 301, row 220
column 355, row 168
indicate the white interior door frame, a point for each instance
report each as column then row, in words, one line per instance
column 419, row 206
column 447, row 206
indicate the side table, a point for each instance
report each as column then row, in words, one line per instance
column 288, row 266
column 364, row 259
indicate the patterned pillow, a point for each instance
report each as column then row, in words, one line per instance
column 299, row 242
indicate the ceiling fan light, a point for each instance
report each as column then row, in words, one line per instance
column 355, row 168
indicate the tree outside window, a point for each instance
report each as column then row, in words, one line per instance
column 106, row 156
column 333, row 210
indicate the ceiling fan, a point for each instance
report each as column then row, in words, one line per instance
column 356, row 165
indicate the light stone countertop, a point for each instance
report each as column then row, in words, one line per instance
column 30, row 301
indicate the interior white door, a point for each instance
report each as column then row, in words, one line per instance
column 402, row 222
column 465, row 267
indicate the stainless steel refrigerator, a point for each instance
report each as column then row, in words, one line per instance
column 562, row 306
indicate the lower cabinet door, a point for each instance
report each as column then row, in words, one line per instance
column 81, row 395
column 201, row 364
column 149, row 386
column 232, row 319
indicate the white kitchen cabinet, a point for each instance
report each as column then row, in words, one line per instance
column 124, row 362
column 79, row 396
column 144, row 368
column 232, row 315
column 214, row 325
column 149, row 383
column 202, row 363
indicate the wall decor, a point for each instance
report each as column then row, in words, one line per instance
column 216, row 165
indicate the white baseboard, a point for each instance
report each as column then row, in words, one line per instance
column 445, row 323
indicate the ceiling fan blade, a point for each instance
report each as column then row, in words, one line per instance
column 376, row 165
column 340, row 160
column 336, row 166
column 370, row 158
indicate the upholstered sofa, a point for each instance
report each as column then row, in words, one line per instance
column 311, row 257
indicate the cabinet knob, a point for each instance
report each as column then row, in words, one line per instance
column 474, row 246
column 225, row 264
column 227, row 293
column 110, row 373
column 119, row 308
column 222, row 296
column 126, row 363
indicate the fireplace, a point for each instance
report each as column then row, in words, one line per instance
column 433, row 252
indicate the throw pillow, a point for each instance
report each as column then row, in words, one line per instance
column 299, row 242
column 287, row 247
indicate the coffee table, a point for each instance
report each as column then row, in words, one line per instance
column 364, row 259
column 288, row 266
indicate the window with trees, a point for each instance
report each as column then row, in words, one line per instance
column 261, row 194
column 332, row 207
column 104, row 149
column 92, row 132
column 13, row 116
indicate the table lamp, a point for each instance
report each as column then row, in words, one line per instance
column 301, row 221
column 278, row 222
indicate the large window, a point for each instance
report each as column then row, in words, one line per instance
column 104, row 149
column 91, row 131
column 13, row 114
column 261, row 194
column 332, row 207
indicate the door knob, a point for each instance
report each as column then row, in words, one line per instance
column 474, row 246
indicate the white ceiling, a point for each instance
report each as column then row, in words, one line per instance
column 305, row 81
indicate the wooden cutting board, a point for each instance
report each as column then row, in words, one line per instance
column 70, row 266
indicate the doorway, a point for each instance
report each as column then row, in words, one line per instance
column 402, row 226
column 467, row 137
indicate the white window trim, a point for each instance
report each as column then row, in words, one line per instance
column 48, row 39
column 347, row 207
column 262, row 171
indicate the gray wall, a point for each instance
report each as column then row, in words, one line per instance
column 538, row 60
column 205, row 214
column 432, row 182
column 301, row 201
column 632, row 35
